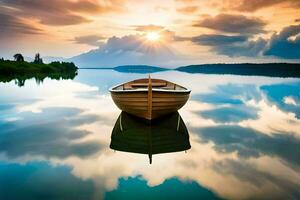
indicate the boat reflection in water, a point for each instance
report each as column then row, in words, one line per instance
column 162, row 135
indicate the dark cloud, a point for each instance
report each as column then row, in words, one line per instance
column 232, row 24
column 11, row 25
column 187, row 9
column 283, row 45
column 216, row 40
column 126, row 43
column 60, row 12
column 62, row 19
column 250, row 48
column 235, row 45
column 92, row 40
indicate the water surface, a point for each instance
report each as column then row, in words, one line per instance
column 244, row 133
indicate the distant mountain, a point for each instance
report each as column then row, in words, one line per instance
column 127, row 50
column 99, row 58
column 140, row 69
column 249, row 69
column 49, row 59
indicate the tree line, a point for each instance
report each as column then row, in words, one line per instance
column 20, row 58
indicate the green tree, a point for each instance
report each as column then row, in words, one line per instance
column 38, row 59
column 18, row 57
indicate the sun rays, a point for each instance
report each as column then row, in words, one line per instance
column 152, row 36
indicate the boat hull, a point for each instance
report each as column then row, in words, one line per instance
column 137, row 102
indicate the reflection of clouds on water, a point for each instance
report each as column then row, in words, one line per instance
column 229, row 94
column 136, row 188
column 45, row 182
column 253, row 124
column 207, row 83
column 271, row 120
column 231, row 114
column 252, row 107
column 250, row 143
column 244, row 135
column 267, row 182
column 48, row 135
column 285, row 96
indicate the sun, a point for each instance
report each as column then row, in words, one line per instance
column 152, row 36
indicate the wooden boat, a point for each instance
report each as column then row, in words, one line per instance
column 149, row 98
column 136, row 135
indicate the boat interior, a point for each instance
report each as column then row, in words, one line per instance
column 144, row 83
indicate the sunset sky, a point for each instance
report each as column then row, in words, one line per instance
column 180, row 31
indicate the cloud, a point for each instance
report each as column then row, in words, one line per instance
column 286, row 44
column 60, row 12
column 11, row 25
column 63, row 20
column 130, row 49
column 186, row 1
column 253, row 5
column 150, row 27
column 232, row 24
column 92, row 40
column 234, row 45
column 187, row 9
column 251, row 48
column 165, row 34
column 216, row 40
column 126, row 43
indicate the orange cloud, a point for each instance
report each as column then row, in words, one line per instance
column 188, row 9
column 253, row 5
column 61, row 12
column 232, row 24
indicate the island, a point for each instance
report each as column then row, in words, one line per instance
column 20, row 70
column 284, row 70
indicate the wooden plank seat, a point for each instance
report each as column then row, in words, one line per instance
column 146, row 84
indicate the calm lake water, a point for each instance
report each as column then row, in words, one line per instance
column 244, row 133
